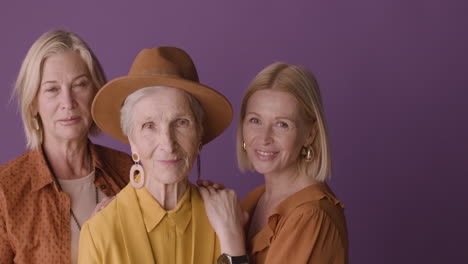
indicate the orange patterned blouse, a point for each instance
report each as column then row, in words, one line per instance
column 307, row 227
column 35, row 216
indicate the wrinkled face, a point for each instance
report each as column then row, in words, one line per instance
column 165, row 135
column 274, row 131
column 64, row 97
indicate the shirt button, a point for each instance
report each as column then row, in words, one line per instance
column 103, row 186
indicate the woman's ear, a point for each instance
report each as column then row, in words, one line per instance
column 312, row 134
column 133, row 147
column 33, row 108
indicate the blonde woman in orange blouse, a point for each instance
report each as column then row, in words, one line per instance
column 47, row 193
column 294, row 217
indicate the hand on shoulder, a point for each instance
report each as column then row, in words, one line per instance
column 226, row 217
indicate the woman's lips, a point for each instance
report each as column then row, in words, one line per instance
column 265, row 155
column 70, row 121
column 169, row 162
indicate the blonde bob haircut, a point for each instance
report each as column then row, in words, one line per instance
column 300, row 83
column 29, row 77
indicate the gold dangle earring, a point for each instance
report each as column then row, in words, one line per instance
column 307, row 153
column 137, row 168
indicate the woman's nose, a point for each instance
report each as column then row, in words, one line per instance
column 266, row 135
column 68, row 100
column 167, row 141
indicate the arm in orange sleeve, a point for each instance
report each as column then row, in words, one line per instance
column 307, row 235
column 6, row 251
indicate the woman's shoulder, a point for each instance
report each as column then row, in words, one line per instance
column 113, row 163
column 110, row 154
column 313, row 199
column 22, row 166
column 313, row 208
column 314, row 204
column 16, row 163
column 107, row 220
column 102, row 231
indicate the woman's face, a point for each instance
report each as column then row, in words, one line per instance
column 274, row 131
column 165, row 135
column 64, row 97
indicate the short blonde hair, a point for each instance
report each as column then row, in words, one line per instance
column 29, row 77
column 300, row 83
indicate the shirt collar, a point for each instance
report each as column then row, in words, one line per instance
column 44, row 174
column 153, row 213
column 314, row 192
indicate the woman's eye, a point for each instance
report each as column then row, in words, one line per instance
column 81, row 84
column 52, row 89
column 282, row 124
column 254, row 120
column 182, row 122
column 148, row 125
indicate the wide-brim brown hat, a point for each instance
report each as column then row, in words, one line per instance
column 161, row 66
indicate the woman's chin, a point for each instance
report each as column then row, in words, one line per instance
column 169, row 178
column 68, row 135
column 263, row 169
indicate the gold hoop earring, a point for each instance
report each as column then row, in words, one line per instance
column 307, row 153
column 243, row 146
column 137, row 168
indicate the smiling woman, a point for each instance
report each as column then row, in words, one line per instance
column 274, row 131
column 294, row 217
column 47, row 193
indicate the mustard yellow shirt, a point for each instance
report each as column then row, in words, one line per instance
column 169, row 232
column 133, row 228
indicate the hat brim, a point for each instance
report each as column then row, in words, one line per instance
column 110, row 98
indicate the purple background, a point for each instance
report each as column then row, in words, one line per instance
column 394, row 79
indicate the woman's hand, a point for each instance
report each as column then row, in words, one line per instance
column 226, row 218
column 207, row 183
column 102, row 204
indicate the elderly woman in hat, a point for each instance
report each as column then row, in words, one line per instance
column 166, row 116
column 47, row 193
column 294, row 216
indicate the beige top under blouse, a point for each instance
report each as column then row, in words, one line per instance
column 82, row 193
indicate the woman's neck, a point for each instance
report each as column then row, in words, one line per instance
column 167, row 195
column 280, row 185
column 68, row 159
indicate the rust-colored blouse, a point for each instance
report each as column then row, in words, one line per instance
column 307, row 227
column 35, row 215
